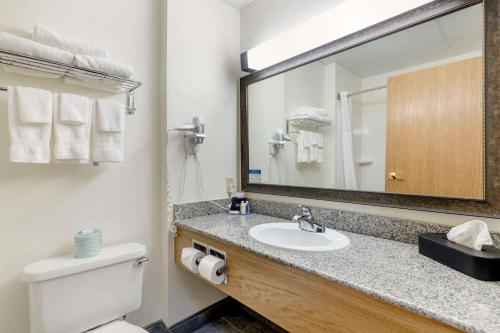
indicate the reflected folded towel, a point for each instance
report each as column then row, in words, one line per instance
column 30, row 48
column 108, row 131
column 309, row 112
column 29, row 141
column 46, row 36
column 473, row 234
column 309, row 147
column 72, row 119
column 104, row 65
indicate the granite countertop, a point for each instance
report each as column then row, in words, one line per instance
column 388, row 270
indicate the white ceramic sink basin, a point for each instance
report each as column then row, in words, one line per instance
column 288, row 236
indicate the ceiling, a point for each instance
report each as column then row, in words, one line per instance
column 455, row 34
column 239, row 4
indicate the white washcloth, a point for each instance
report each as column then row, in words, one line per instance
column 473, row 234
column 103, row 85
column 46, row 36
column 72, row 122
column 104, row 65
column 34, row 106
column 28, row 47
column 108, row 131
column 29, row 142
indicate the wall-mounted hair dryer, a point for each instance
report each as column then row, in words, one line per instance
column 277, row 142
column 194, row 134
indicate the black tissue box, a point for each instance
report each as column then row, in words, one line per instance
column 483, row 265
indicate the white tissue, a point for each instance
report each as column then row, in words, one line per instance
column 208, row 268
column 473, row 234
column 189, row 256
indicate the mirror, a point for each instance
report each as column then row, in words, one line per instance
column 400, row 114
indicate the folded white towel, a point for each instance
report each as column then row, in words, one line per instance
column 310, row 110
column 104, row 65
column 29, row 142
column 28, row 47
column 102, row 85
column 46, row 36
column 473, row 234
column 108, row 131
column 72, row 120
column 28, row 70
column 35, row 106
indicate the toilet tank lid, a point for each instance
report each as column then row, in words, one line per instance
column 61, row 266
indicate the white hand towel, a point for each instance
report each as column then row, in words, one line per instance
column 46, row 36
column 72, row 120
column 104, row 65
column 28, row 47
column 29, row 142
column 108, row 131
column 110, row 116
column 35, row 106
column 473, row 234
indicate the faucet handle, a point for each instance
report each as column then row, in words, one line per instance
column 305, row 210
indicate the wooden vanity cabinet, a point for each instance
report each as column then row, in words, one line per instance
column 302, row 302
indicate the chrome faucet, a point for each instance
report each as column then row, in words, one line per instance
column 306, row 221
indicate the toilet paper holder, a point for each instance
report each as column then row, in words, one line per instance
column 210, row 250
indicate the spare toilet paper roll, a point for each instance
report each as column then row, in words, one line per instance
column 208, row 268
column 189, row 256
column 87, row 243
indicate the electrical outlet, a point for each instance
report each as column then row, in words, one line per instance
column 229, row 184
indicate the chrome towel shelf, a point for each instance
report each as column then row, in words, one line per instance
column 121, row 84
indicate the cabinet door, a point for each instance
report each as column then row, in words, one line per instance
column 435, row 131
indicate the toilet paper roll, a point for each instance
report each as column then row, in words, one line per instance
column 208, row 268
column 189, row 256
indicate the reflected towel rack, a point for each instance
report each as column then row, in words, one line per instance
column 363, row 91
column 305, row 122
column 123, row 85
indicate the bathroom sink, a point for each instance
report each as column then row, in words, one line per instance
column 288, row 236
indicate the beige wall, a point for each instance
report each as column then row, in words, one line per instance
column 273, row 20
column 42, row 206
column 202, row 72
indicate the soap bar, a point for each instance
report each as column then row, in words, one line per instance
column 482, row 265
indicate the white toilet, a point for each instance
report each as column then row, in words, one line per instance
column 69, row 295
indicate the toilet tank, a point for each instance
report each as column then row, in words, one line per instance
column 69, row 295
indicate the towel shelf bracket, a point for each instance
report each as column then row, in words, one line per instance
column 123, row 85
column 304, row 122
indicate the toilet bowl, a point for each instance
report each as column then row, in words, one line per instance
column 70, row 295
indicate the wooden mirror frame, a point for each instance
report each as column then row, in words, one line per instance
column 487, row 207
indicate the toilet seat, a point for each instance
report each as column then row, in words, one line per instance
column 119, row 326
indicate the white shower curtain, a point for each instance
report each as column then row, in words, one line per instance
column 345, row 171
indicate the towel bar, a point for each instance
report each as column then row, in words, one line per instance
column 43, row 65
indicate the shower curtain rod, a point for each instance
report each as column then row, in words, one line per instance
column 363, row 91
